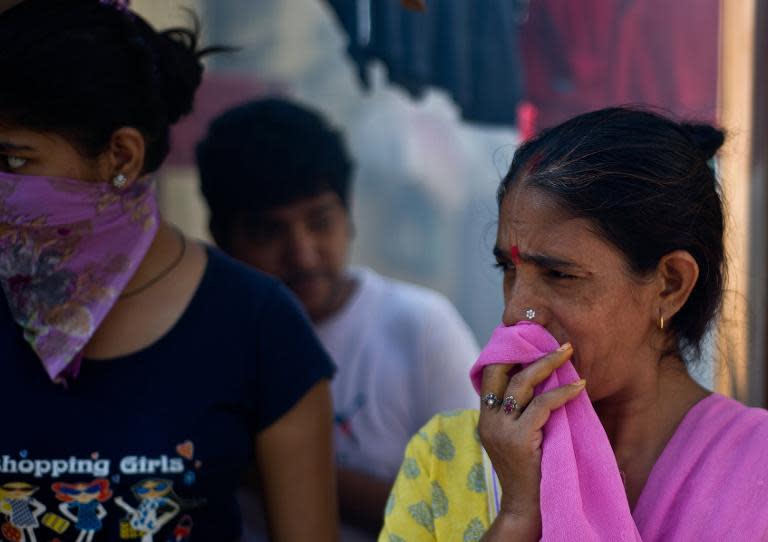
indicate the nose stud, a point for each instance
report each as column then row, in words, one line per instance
column 529, row 314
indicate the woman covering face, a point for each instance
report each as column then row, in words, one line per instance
column 140, row 360
column 610, row 242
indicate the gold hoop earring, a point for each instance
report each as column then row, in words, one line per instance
column 661, row 322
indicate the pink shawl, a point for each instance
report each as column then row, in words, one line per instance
column 710, row 483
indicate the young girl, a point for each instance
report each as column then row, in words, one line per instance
column 21, row 509
column 82, row 503
column 134, row 352
column 155, row 509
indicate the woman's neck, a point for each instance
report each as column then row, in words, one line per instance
column 139, row 320
column 163, row 249
column 641, row 420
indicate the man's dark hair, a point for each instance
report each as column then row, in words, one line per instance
column 647, row 185
column 268, row 153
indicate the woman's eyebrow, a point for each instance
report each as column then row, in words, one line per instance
column 544, row 260
column 6, row 146
column 541, row 260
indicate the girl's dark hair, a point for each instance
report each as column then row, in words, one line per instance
column 647, row 185
column 83, row 69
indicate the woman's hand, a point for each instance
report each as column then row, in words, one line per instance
column 512, row 436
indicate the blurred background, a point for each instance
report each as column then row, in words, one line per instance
column 433, row 104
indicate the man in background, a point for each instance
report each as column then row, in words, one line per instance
column 276, row 178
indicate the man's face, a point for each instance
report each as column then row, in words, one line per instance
column 304, row 244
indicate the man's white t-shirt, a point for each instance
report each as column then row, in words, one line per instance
column 403, row 354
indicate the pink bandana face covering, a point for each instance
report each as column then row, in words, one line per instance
column 67, row 250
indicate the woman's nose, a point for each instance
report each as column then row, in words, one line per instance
column 516, row 312
column 523, row 304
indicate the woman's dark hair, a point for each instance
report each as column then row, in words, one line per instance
column 82, row 69
column 647, row 185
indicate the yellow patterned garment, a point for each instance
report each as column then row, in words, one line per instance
column 440, row 492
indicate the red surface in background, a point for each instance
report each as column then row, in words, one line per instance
column 585, row 55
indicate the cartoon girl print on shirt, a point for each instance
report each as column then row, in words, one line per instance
column 81, row 503
column 157, row 506
column 21, row 509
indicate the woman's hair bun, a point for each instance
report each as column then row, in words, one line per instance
column 179, row 69
column 706, row 137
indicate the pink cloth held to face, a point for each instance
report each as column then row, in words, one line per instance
column 582, row 494
column 710, row 482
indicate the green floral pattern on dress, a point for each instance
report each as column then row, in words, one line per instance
column 439, row 501
column 390, row 504
column 443, row 447
column 411, row 468
column 475, row 531
column 441, row 491
column 422, row 513
column 476, row 478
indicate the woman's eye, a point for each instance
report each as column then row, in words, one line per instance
column 504, row 266
column 14, row 162
column 559, row 275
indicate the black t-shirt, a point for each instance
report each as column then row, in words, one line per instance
column 151, row 446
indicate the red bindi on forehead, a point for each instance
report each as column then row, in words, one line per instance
column 514, row 253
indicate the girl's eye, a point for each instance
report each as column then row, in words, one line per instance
column 504, row 266
column 14, row 162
